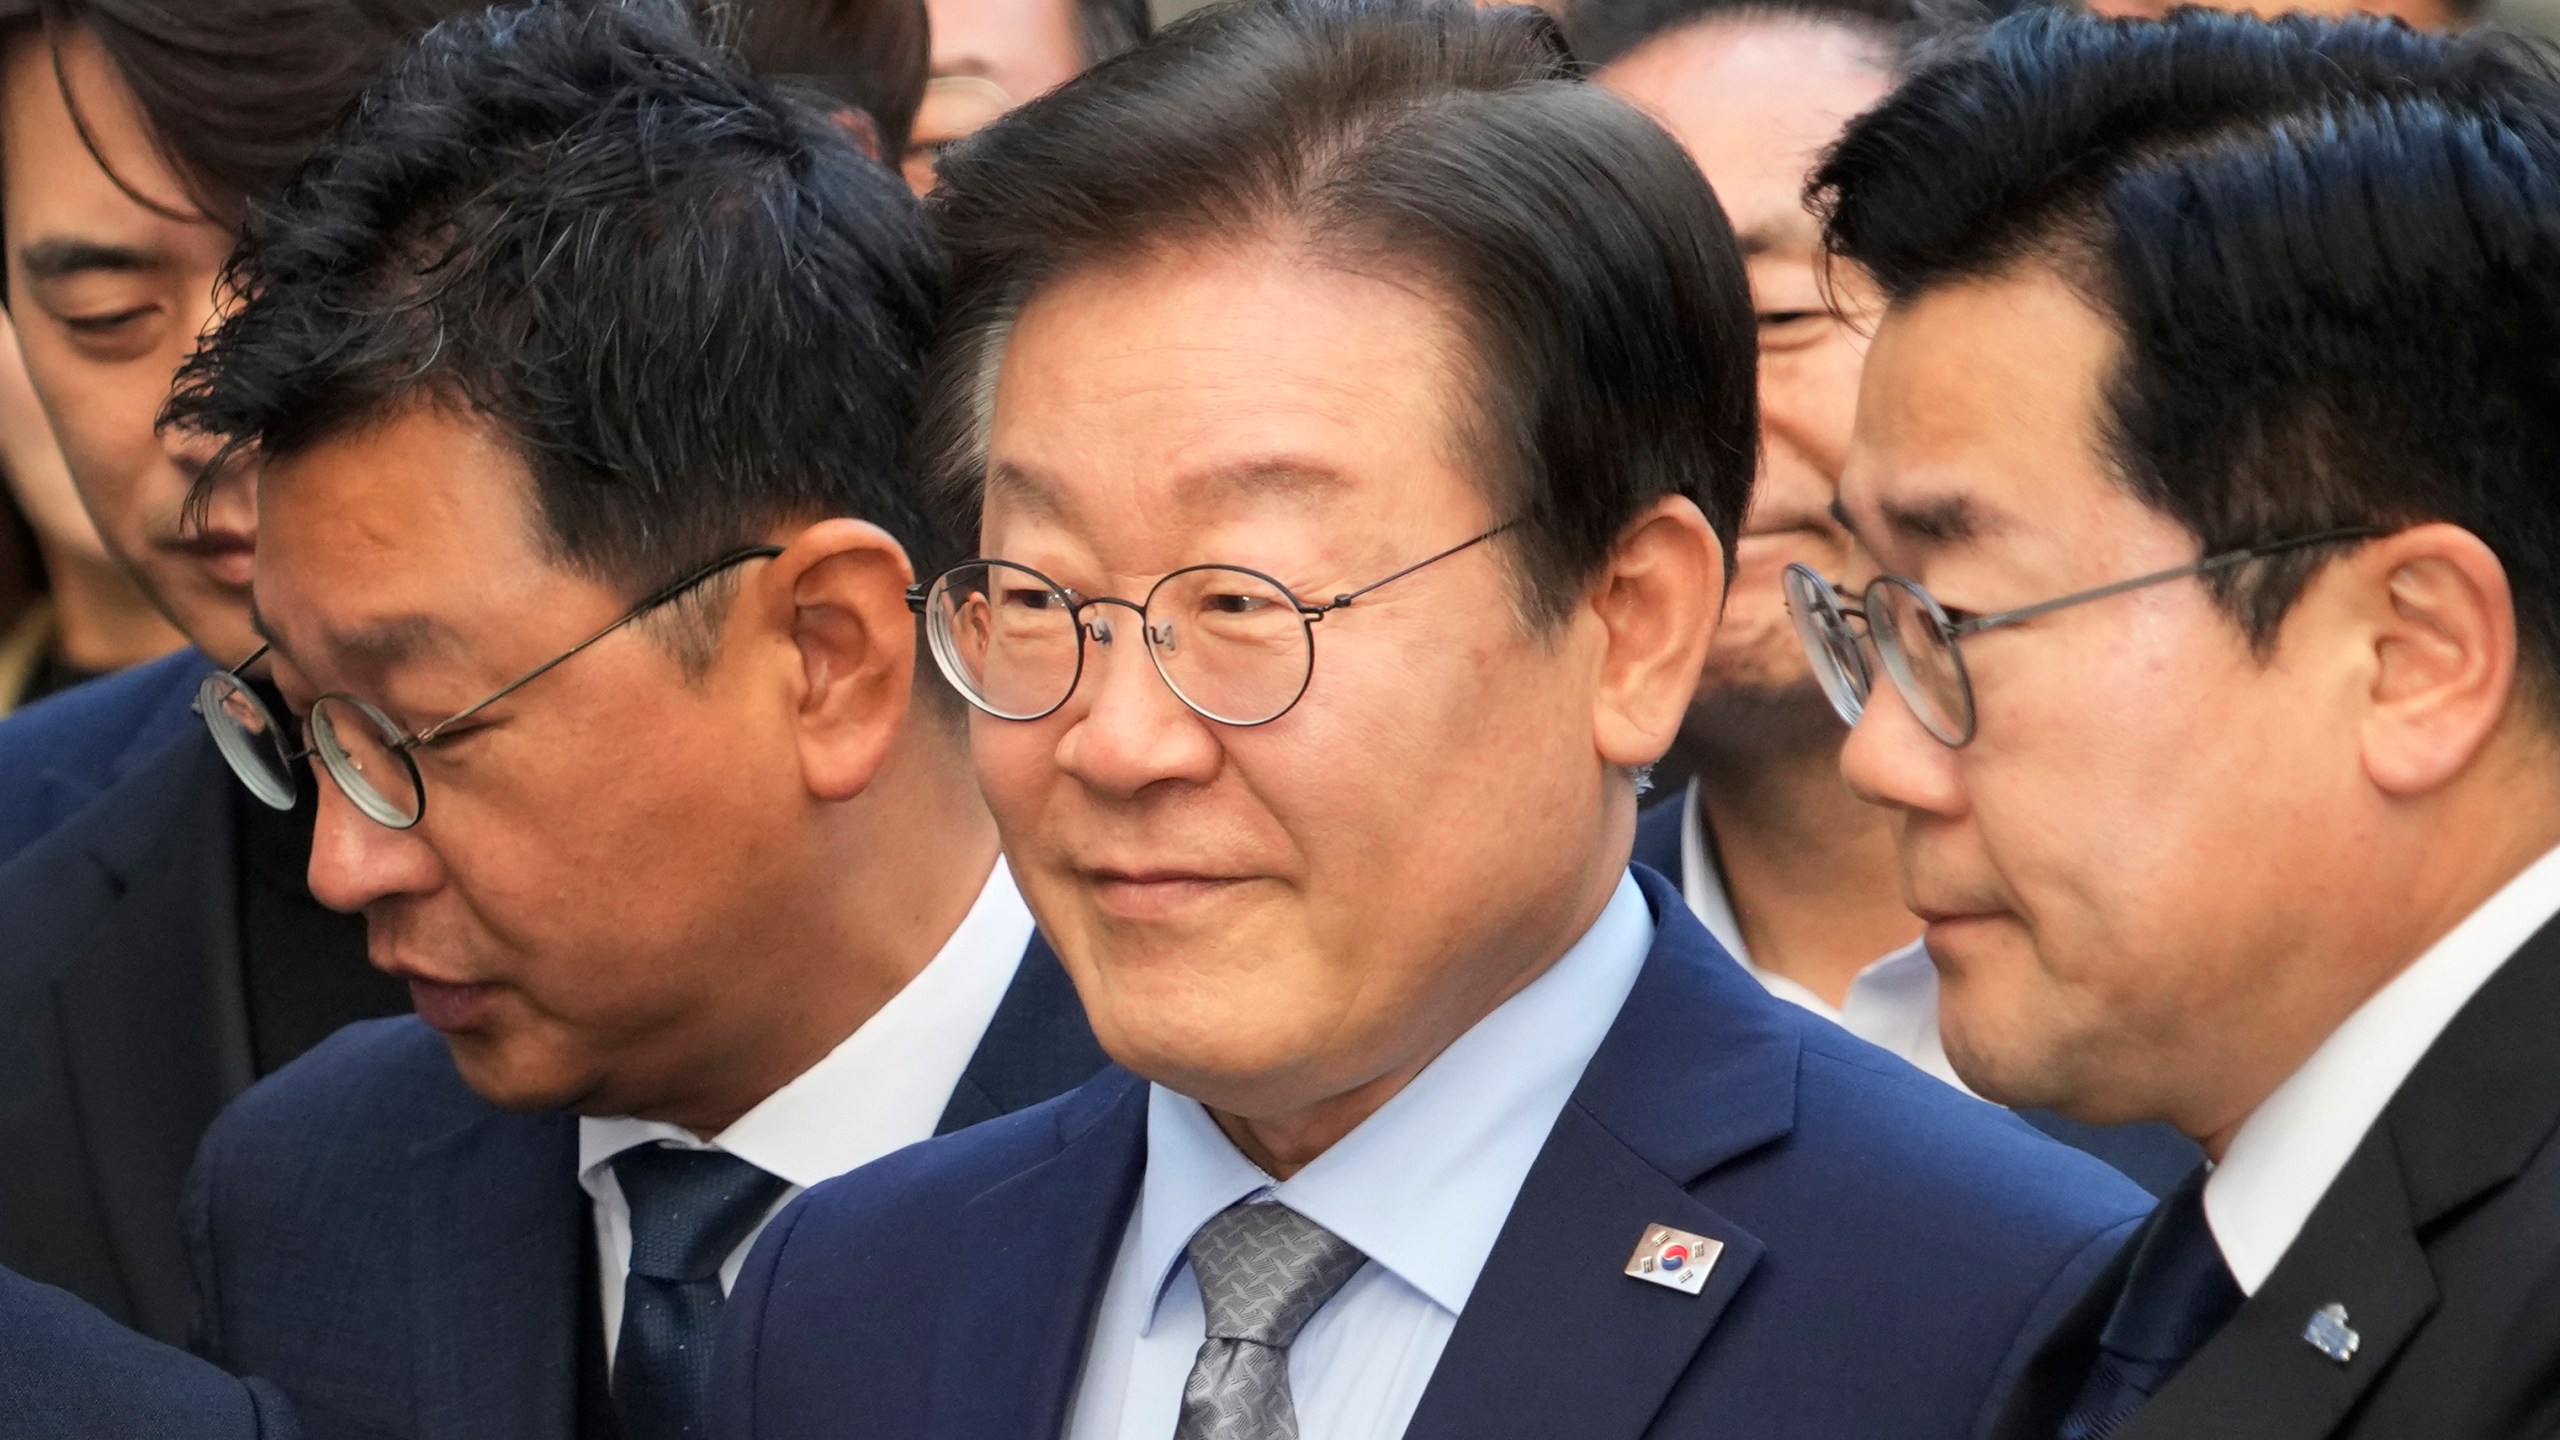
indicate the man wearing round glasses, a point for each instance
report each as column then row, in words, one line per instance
column 1354, row 404
column 2207, row 658
column 597, row 660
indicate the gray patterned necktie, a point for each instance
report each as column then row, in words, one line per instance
column 1264, row 1271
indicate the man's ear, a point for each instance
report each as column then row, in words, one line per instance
column 1657, row 602
column 2433, row 604
column 856, row 641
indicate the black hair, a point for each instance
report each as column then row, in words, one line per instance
column 2331, row 251
column 237, row 93
column 873, row 55
column 1605, row 31
column 1105, row 28
column 1584, row 260
column 692, row 306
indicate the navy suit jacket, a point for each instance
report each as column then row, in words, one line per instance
column 405, row 1260
column 65, row 750
column 1892, row 1250
column 70, row 1373
column 2156, row 1156
column 124, row 1025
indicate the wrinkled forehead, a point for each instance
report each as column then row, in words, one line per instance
column 398, row 539
column 1214, row 388
column 1980, row 417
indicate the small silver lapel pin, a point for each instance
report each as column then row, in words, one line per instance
column 1674, row 1259
column 2330, row 1334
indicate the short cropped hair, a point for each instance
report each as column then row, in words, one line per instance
column 694, row 308
column 1604, row 32
column 1585, row 262
column 2331, row 251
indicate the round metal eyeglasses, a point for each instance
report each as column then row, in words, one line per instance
column 1903, row 627
column 1235, row 645
column 365, row 752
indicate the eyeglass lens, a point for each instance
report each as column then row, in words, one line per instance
column 1230, row 643
column 361, row 747
column 246, row 733
column 1839, row 663
column 1919, row 650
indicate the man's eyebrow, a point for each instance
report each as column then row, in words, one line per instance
column 1945, row 520
column 391, row 640
column 61, row 259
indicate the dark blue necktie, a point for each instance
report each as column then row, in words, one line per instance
column 689, row 1209
column 2177, row 1293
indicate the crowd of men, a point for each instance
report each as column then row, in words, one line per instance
column 1836, row 724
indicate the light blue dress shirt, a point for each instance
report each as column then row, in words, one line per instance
column 1422, row 1187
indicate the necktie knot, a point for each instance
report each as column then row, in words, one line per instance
column 690, row 1208
column 1265, row 1270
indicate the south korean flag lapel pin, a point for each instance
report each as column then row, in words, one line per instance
column 1674, row 1259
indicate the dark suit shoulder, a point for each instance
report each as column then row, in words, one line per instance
column 374, row 1083
column 68, row 1371
column 58, row 753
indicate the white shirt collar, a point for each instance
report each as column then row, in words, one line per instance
column 2291, row 1148
column 886, row 1085
column 1423, row 1186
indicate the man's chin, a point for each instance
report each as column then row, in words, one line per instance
column 499, row 1072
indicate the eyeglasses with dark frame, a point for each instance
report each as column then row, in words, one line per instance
column 1916, row 638
column 362, row 749
column 1235, row 645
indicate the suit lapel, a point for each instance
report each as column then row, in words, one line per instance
column 495, row 1217
column 2478, row 1107
column 1556, row 1339
column 2260, row 1378
column 1009, row 1353
column 1037, row 1047
column 154, row 1029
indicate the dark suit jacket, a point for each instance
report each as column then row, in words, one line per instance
column 404, row 1260
column 122, row 1030
column 2157, row 1157
column 62, row 752
column 1892, row 1250
column 2433, row 1238
column 70, row 1373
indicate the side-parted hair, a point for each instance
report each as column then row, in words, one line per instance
column 2331, row 250
column 1585, row 262
column 693, row 307
column 237, row 93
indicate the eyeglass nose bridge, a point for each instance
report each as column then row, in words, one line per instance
column 1098, row 629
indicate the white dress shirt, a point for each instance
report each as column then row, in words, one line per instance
column 1892, row 1004
column 884, row 1088
column 1422, row 1188
column 2289, row 1151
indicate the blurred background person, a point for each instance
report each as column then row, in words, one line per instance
column 991, row 55
column 88, row 617
column 1769, row 846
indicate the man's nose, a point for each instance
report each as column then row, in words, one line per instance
column 1892, row 760
column 356, row 862
column 1126, row 729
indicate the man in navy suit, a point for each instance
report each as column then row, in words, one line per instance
column 70, row 1373
column 1388, row 391
column 580, row 369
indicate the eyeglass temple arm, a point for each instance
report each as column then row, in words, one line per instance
column 2224, row 561
column 653, row 601
column 1318, row 612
